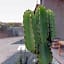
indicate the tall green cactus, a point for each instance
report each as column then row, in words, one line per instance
column 52, row 23
column 38, row 27
column 28, row 30
column 44, row 56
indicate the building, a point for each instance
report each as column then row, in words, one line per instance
column 58, row 7
column 11, row 30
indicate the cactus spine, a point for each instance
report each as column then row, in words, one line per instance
column 38, row 27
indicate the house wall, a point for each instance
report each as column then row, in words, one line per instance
column 58, row 7
column 15, row 31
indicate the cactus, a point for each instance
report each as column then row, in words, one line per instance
column 39, row 32
column 51, row 25
column 29, row 36
column 44, row 56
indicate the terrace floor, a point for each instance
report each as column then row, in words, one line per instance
column 8, row 50
column 60, row 58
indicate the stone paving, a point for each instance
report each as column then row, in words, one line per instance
column 59, row 59
column 8, row 50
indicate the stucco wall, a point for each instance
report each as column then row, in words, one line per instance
column 58, row 8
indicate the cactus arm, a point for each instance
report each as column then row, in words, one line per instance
column 45, row 56
column 51, row 29
column 51, row 21
column 28, row 31
column 43, row 24
column 37, row 30
column 52, row 24
column 45, row 52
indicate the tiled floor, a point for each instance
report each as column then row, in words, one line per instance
column 8, row 49
column 60, row 59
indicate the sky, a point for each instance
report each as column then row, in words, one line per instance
column 12, row 10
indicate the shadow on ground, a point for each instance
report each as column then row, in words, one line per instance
column 12, row 59
column 19, row 42
column 26, row 56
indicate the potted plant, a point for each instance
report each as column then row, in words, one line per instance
column 39, row 31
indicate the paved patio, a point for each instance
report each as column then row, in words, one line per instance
column 8, row 50
column 60, row 59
